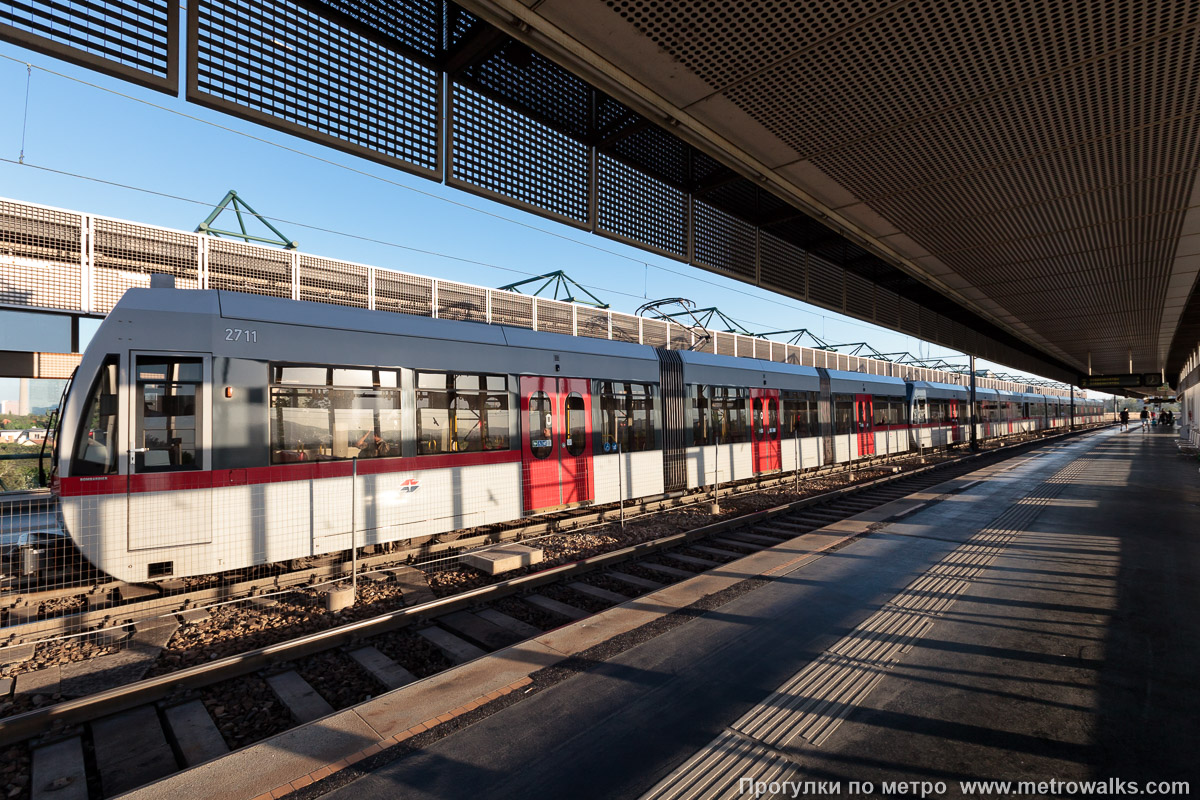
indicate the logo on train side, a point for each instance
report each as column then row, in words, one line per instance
column 410, row 485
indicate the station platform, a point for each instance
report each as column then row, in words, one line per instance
column 1034, row 621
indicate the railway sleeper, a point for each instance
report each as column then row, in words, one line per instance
column 298, row 696
column 453, row 647
column 478, row 630
column 386, row 672
column 634, row 581
column 555, row 607
column 515, row 626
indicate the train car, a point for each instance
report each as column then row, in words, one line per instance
column 209, row 431
column 939, row 413
column 738, row 413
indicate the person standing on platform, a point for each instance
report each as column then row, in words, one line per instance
column 1145, row 419
column 1124, row 419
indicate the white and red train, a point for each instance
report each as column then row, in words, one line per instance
column 207, row 431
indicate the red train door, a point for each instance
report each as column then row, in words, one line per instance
column 556, row 442
column 864, row 407
column 764, row 430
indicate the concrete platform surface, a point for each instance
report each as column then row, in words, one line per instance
column 1038, row 625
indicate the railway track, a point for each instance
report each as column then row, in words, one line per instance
column 82, row 606
column 182, row 718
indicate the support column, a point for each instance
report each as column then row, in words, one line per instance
column 971, row 415
column 1071, row 422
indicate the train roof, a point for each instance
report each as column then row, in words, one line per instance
column 260, row 308
column 865, row 383
column 941, row 390
column 715, row 369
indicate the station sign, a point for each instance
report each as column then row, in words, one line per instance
column 1128, row 380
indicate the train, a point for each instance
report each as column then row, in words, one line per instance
column 208, row 430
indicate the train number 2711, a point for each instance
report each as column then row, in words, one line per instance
column 239, row 335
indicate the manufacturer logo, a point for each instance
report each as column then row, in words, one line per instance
column 411, row 485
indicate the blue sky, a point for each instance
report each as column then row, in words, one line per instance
column 88, row 125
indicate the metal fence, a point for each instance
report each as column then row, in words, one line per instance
column 58, row 260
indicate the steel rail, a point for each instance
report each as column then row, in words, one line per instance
column 80, row 710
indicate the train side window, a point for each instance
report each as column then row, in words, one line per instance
column 626, row 416
column 300, row 424
column 463, row 413
column 699, row 414
column 541, row 425
column 366, row 423
column 496, row 417
column 843, row 413
column 96, row 447
column 300, row 376
column 799, row 414
column 729, row 414
column 576, row 425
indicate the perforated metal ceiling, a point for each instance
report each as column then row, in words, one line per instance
column 1037, row 161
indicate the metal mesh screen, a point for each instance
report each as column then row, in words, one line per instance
column 535, row 86
column 327, row 281
column 414, row 24
column 40, row 256
column 723, row 241
column 134, row 41
column 405, row 294
column 240, row 267
column 625, row 328
column 887, row 307
column 928, row 324
column 501, row 153
column 466, row 303
column 681, row 338
column 316, row 78
column 826, row 284
column 724, row 343
column 783, row 265
column 510, row 308
column 591, row 322
column 638, row 208
column 655, row 333
column 910, row 316
column 125, row 254
column 860, row 297
column 553, row 316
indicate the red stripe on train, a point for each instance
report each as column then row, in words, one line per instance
column 280, row 473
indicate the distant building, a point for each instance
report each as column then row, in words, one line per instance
column 38, row 396
column 30, row 438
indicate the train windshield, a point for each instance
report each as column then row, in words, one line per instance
column 99, row 429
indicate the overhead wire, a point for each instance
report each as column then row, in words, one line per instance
column 423, row 193
column 364, row 173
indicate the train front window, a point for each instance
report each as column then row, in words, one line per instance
column 170, row 398
column 96, row 446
